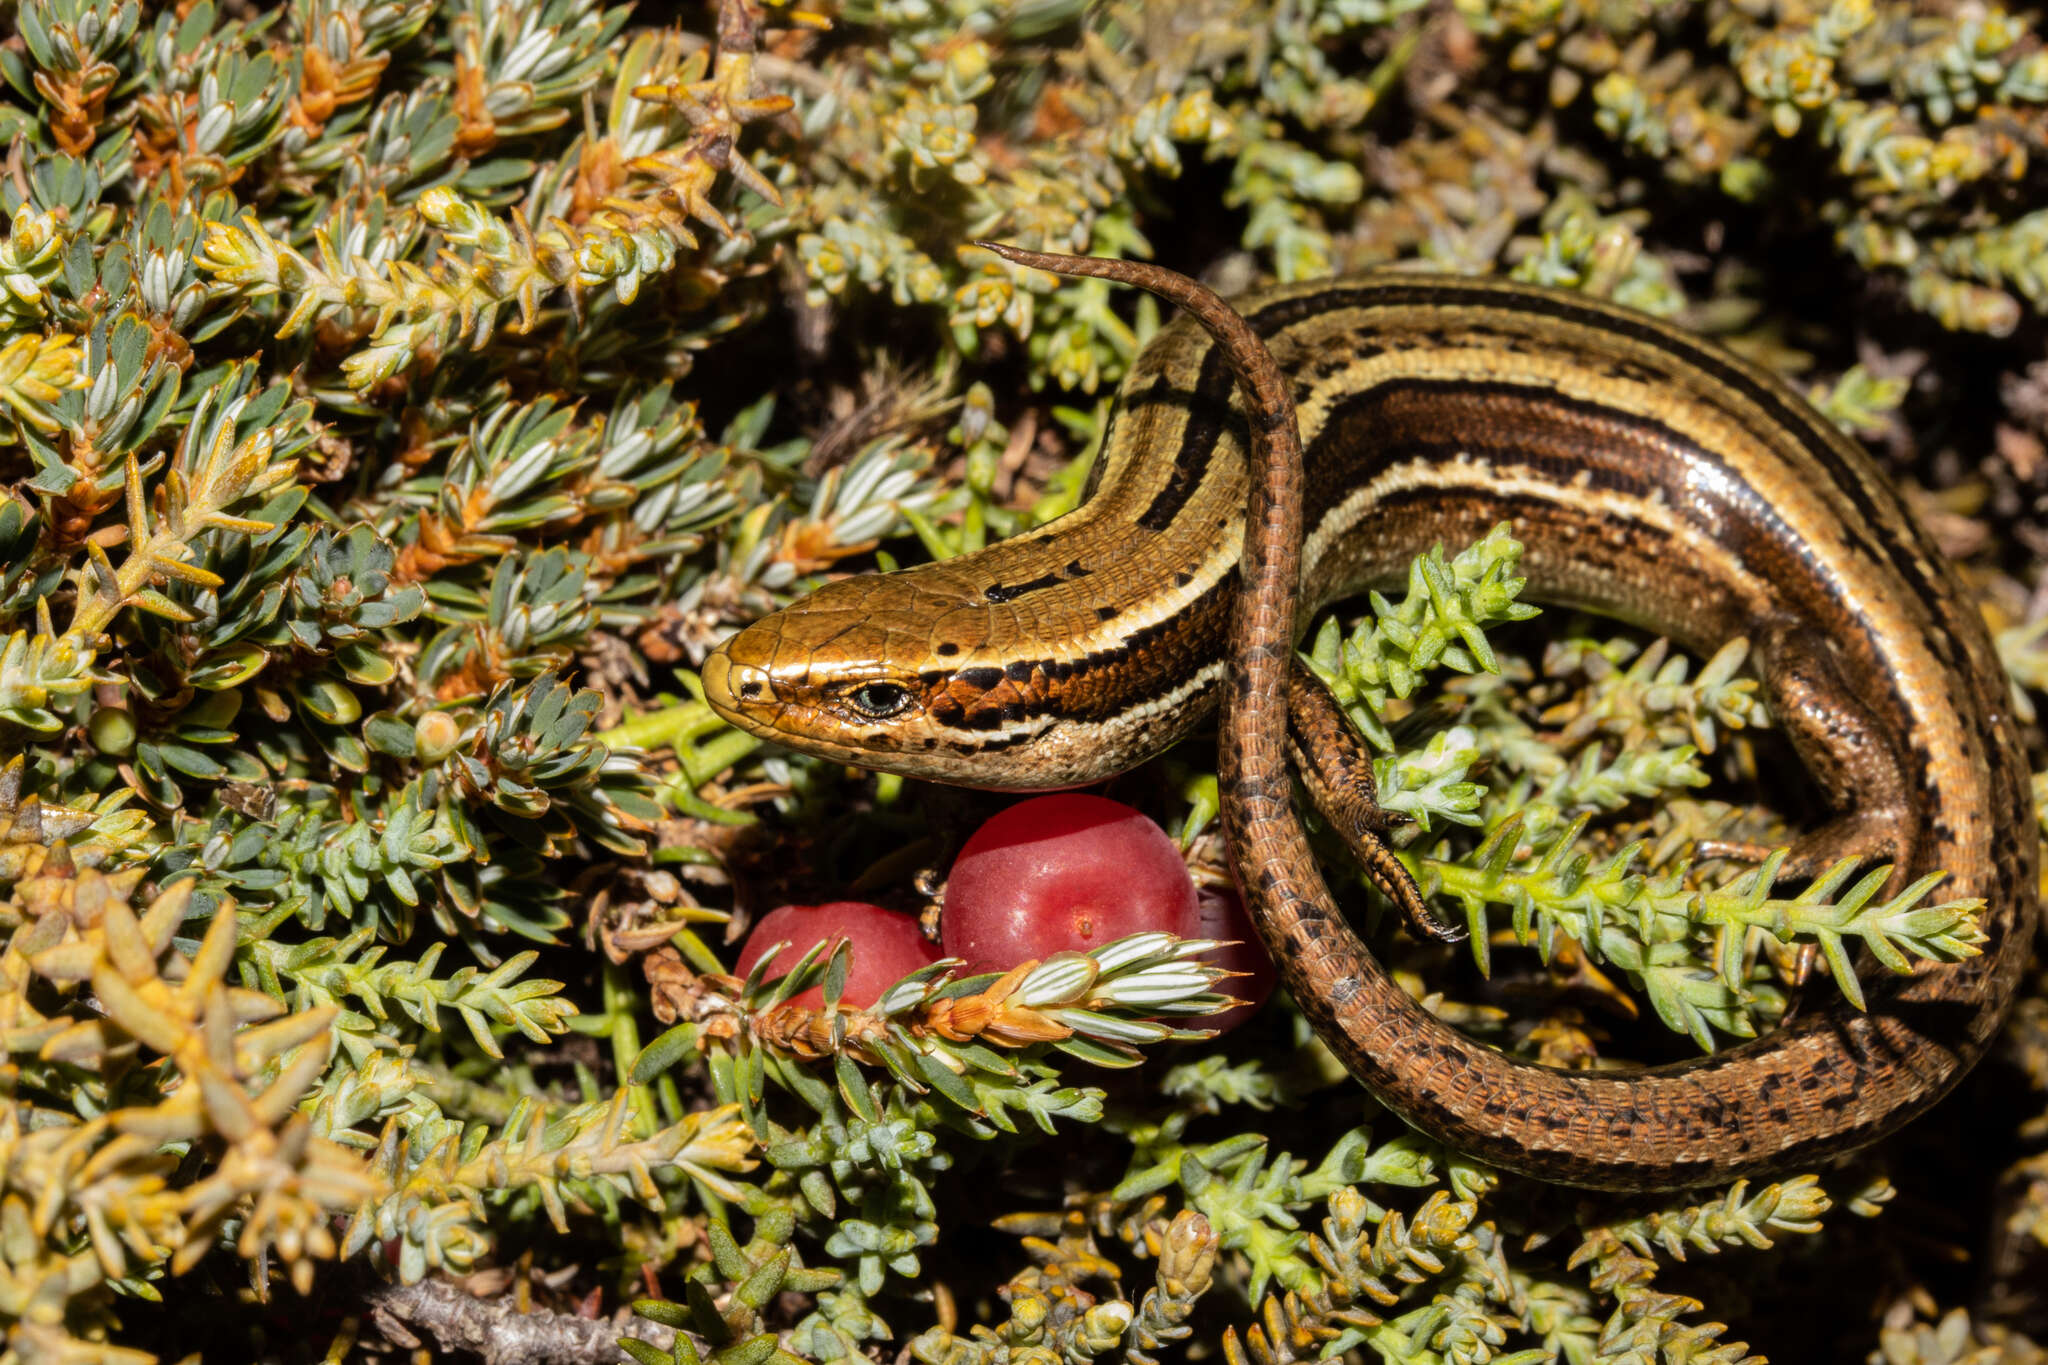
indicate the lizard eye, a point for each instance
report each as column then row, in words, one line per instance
column 880, row 700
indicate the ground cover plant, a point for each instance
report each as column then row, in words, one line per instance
column 398, row 399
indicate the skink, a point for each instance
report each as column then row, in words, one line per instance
column 1653, row 477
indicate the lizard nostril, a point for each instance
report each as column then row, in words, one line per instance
column 729, row 686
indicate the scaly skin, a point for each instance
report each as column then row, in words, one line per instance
column 1652, row 477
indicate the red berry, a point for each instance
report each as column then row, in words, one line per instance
column 887, row 947
column 1062, row 872
column 1220, row 914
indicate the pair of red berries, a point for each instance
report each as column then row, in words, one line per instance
column 1047, row 875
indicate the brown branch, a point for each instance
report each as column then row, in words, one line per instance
column 496, row 1330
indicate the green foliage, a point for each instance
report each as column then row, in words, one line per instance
column 398, row 400
column 1441, row 623
column 757, row 1272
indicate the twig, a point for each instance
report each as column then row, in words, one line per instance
column 496, row 1330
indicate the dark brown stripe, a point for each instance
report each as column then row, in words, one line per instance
column 1895, row 545
column 1010, row 592
column 1208, row 409
column 1097, row 686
